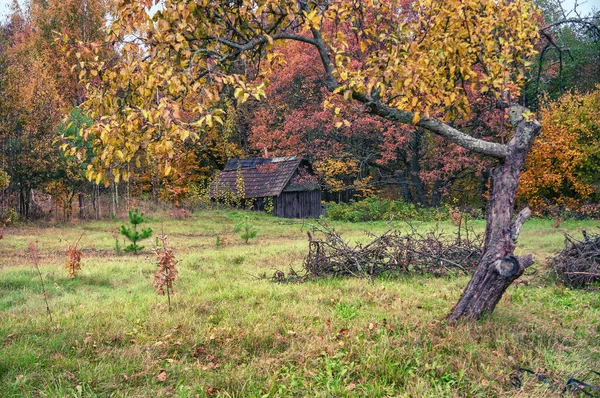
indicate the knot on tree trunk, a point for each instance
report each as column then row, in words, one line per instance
column 507, row 267
column 511, row 267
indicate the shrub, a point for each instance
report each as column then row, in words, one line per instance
column 377, row 209
column 10, row 217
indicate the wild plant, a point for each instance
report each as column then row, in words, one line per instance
column 35, row 256
column 247, row 229
column 165, row 276
column 73, row 263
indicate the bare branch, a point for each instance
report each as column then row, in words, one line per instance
column 515, row 228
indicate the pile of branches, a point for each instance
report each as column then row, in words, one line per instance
column 414, row 252
column 578, row 265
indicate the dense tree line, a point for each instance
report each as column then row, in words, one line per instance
column 48, row 54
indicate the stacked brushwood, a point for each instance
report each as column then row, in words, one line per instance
column 578, row 265
column 414, row 252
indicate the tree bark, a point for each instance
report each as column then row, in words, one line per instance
column 81, row 208
column 415, row 168
column 498, row 266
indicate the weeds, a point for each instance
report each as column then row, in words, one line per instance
column 118, row 251
column 35, row 256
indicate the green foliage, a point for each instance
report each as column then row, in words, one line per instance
column 118, row 249
column 269, row 205
column 198, row 195
column 135, row 219
column 378, row 209
column 10, row 216
column 247, row 229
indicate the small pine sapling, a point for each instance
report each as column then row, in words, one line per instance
column 248, row 230
column 73, row 263
column 165, row 276
column 135, row 218
column 220, row 242
column 35, row 256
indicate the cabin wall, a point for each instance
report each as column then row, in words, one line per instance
column 304, row 204
column 259, row 204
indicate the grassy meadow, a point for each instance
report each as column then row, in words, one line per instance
column 232, row 334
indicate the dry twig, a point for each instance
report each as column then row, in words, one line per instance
column 429, row 252
column 578, row 264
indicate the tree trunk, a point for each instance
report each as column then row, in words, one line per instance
column 498, row 266
column 155, row 187
column 81, row 211
column 415, row 168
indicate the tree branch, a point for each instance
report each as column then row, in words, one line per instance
column 492, row 149
column 517, row 223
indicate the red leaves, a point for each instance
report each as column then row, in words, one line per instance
column 162, row 376
column 167, row 272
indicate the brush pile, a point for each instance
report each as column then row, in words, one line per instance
column 425, row 253
column 578, row 265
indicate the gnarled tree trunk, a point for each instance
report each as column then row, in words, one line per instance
column 498, row 266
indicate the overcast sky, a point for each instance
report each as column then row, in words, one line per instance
column 585, row 6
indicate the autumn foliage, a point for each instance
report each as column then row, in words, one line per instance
column 166, row 275
column 73, row 263
column 563, row 166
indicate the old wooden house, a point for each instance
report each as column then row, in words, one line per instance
column 288, row 186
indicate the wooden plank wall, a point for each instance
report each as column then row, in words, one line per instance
column 306, row 204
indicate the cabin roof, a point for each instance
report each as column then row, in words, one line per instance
column 263, row 177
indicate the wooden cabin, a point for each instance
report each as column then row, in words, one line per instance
column 288, row 185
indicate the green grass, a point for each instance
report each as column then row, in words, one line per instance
column 231, row 334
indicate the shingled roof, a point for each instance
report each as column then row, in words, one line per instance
column 262, row 177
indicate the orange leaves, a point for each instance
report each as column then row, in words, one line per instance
column 73, row 263
column 560, row 167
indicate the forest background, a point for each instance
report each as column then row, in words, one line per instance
column 43, row 173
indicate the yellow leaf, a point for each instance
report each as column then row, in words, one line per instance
column 416, row 118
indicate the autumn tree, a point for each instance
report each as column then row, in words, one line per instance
column 409, row 63
column 563, row 166
column 30, row 110
column 366, row 153
column 38, row 84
